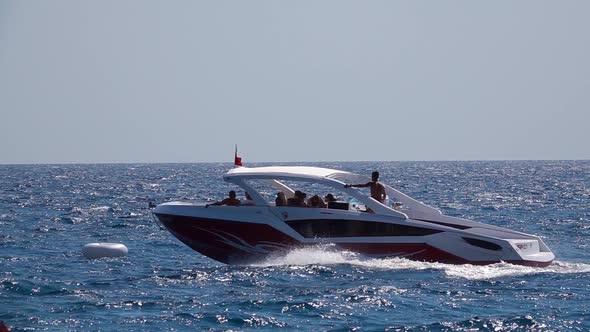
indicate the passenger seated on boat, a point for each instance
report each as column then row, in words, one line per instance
column 298, row 200
column 316, row 202
column 230, row 201
column 281, row 200
column 329, row 198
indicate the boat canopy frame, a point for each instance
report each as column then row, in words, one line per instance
column 333, row 178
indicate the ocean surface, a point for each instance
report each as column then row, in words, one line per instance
column 49, row 212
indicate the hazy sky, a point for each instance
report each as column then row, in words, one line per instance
column 183, row 81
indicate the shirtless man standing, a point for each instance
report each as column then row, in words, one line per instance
column 377, row 189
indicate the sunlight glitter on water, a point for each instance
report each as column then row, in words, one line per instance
column 45, row 283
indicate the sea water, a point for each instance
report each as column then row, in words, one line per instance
column 48, row 213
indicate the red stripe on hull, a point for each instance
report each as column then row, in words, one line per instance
column 423, row 252
column 229, row 242
column 413, row 251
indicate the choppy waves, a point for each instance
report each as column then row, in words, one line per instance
column 48, row 212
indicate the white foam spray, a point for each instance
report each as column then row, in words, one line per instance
column 329, row 255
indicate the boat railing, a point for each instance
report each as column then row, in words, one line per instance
column 409, row 205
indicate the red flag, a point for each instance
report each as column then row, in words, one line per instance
column 237, row 160
column 3, row 327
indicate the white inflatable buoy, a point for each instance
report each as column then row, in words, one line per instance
column 99, row 250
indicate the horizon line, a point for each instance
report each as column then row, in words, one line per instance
column 265, row 162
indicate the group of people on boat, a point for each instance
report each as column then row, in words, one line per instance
column 298, row 200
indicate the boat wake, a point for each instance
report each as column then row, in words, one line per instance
column 329, row 255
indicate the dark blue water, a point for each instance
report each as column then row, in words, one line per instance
column 48, row 213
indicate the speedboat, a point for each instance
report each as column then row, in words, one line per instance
column 401, row 227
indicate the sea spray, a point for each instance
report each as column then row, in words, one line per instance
column 328, row 254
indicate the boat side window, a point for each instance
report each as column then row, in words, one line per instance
column 311, row 228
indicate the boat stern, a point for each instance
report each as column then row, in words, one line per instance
column 533, row 252
column 485, row 246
